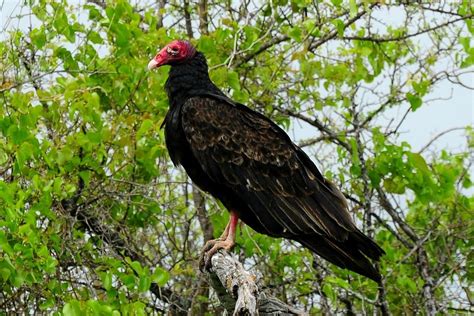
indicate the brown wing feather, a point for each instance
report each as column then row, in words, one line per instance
column 249, row 154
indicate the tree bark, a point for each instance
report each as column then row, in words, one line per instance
column 238, row 291
column 204, row 221
column 159, row 13
column 422, row 257
column 187, row 19
column 203, row 17
column 200, row 308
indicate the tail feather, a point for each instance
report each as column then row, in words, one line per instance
column 367, row 246
column 352, row 254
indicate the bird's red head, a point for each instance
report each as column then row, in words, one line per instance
column 175, row 52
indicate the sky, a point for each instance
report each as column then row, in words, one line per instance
column 447, row 106
column 453, row 107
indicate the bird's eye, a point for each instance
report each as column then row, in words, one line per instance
column 172, row 51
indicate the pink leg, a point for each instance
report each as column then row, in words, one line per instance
column 225, row 241
column 226, row 230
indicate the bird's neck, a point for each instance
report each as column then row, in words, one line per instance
column 188, row 80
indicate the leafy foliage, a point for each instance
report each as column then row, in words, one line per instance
column 94, row 218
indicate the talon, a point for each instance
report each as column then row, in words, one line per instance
column 227, row 245
column 210, row 243
column 207, row 246
column 226, row 241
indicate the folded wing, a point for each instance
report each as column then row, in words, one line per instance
column 283, row 192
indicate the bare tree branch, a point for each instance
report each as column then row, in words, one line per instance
column 404, row 37
column 238, row 291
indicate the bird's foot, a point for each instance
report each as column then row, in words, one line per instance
column 210, row 248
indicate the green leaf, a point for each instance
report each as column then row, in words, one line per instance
column 374, row 178
column 160, row 276
column 18, row 134
column 6, row 267
column 296, row 33
column 415, row 101
column 352, row 8
column 233, row 80
column 18, row 277
column 421, row 87
column 38, row 37
column 419, row 162
column 72, row 308
column 339, row 24
column 469, row 60
column 394, row 185
column 129, row 281
column 338, row 281
column 122, row 35
column 107, row 280
column 62, row 25
column 206, row 44
column 60, row 19
column 144, row 284
column 94, row 14
column 137, row 267
column 86, row 176
column 145, row 127
column 95, row 38
column 465, row 42
column 24, row 153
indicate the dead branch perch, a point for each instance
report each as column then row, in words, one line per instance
column 238, row 291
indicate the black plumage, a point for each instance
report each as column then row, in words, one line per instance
column 250, row 164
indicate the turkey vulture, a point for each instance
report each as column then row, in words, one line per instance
column 250, row 164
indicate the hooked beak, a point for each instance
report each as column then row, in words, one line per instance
column 153, row 64
column 159, row 60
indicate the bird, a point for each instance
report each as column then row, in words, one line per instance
column 245, row 160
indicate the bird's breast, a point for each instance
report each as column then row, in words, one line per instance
column 174, row 136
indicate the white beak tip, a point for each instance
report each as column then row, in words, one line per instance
column 152, row 64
